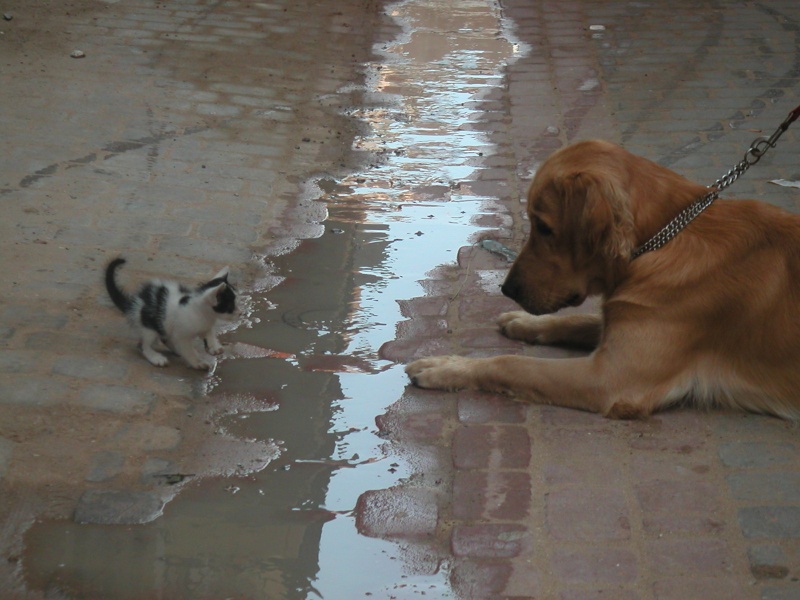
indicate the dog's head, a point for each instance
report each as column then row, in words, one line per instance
column 581, row 229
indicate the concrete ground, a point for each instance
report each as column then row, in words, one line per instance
column 146, row 142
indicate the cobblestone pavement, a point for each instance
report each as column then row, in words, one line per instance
column 554, row 503
column 146, row 142
column 182, row 138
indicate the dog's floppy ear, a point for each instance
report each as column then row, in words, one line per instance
column 605, row 220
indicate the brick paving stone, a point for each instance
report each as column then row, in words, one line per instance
column 767, row 562
column 588, row 513
column 771, row 522
column 678, row 588
column 105, row 465
column 115, row 398
column 595, row 566
column 486, row 494
column 490, row 541
column 745, row 455
column 476, row 407
column 406, row 513
column 709, row 557
column 496, row 446
column 480, row 579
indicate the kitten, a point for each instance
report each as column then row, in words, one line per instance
column 175, row 315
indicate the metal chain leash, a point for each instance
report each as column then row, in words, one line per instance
column 757, row 149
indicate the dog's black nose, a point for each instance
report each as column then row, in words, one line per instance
column 509, row 289
column 575, row 300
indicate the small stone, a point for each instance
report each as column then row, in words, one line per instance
column 7, row 16
column 78, row 54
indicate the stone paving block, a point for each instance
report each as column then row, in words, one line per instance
column 580, row 457
column 774, row 522
column 112, row 507
column 708, row 557
column 525, row 580
column 744, row 455
column 158, row 470
column 32, row 390
column 480, row 578
column 678, row 497
column 423, row 427
column 397, row 513
column 496, row 446
column 477, row 407
column 683, row 588
column 502, row 495
column 80, row 367
column 594, row 566
column 148, row 437
column 493, row 540
column 785, row 592
column 105, row 465
column 778, row 487
column 767, row 562
column 588, row 513
column 115, row 398
column 661, row 524
column 17, row 361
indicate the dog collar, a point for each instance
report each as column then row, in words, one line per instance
column 676, row 225
column 757, row 149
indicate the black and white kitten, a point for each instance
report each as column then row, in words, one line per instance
column 175, row 315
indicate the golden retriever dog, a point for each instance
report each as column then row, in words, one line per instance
column 712, row 317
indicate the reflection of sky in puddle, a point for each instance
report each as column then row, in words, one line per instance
column 410, row 214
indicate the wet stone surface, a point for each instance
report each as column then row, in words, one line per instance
column 349, row 191
column 112, row 507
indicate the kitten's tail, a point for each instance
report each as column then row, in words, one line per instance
column 120, row 298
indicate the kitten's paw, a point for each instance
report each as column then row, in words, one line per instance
column 203, row 365
column 442, row 373
column 154, row 358
column 216, row 350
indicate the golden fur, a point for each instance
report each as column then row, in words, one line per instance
column 711, row 317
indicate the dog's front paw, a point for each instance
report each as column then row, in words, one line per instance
column 519, row 325
column 441, row 373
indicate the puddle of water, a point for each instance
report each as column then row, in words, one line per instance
column 309, row 367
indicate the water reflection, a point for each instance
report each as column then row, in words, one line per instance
column 287, row 531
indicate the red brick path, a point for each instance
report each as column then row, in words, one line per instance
column 541, row 502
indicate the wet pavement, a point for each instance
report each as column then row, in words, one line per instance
column 345, row 159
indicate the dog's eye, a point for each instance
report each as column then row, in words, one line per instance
column 542, row 228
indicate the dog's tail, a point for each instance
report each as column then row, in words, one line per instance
column 122, row 300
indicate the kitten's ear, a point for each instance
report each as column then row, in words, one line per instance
column 223, row 274
column 210, row 295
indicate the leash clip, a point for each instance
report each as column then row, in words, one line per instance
column 760, row 146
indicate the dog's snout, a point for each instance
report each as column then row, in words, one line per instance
column 510, row 289
column 575, row 299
